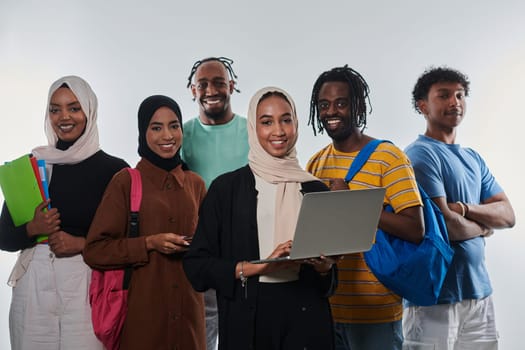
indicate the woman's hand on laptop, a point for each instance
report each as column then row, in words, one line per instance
column 322, row 264
column 281, row 250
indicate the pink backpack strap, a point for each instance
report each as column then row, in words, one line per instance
column 136, row 189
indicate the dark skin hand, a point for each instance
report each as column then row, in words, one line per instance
column 337, row 184
column 323, row 264
column 62, row 244
column 168, row 243
column 481, row 219
column 44, row 221
column 47, row 222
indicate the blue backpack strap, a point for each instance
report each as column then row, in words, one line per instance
column 361, row 158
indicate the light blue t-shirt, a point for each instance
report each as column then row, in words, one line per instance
column 458, row 174
column 212, row 150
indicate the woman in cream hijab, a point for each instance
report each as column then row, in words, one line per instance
column 49, row 307
column 250, row 214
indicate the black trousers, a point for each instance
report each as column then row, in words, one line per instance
column 290, row 316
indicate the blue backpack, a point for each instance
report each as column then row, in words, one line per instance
column 414, row 271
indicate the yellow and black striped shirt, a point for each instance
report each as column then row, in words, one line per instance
column 360, row 297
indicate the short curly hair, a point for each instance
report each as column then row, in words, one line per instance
column 434, row 75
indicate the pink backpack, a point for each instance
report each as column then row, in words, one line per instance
column 108, row 291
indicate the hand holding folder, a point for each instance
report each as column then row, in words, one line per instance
column 23, row 188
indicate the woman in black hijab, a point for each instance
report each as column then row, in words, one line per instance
column 146, row 111
column 164, row 311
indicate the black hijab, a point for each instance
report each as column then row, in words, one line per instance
column 147, row 108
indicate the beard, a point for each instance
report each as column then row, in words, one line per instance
column 342, row 133
column 215, row 115
column 339, row 135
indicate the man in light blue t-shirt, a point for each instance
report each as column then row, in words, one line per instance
column 214, row 143
column 473, row 205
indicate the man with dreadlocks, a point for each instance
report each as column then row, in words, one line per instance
column 215, row 142
column 367, row 315
column 473, row 205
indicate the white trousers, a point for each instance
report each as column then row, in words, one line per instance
column 50, row 307
column 467, row 325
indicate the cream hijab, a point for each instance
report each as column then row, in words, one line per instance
column 84, row 147
column 87, row 144
column 285, row 172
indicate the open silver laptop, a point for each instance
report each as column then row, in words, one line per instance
column 335, row 223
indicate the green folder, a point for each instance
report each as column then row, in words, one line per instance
column 21, row 189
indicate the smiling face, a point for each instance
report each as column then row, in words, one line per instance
column 275, row 127
column 444, row 107
column 212, row 89
column 66, row 115
column 164, row 133
column 334, row 110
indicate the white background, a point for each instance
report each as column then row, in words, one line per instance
column 128, row 51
